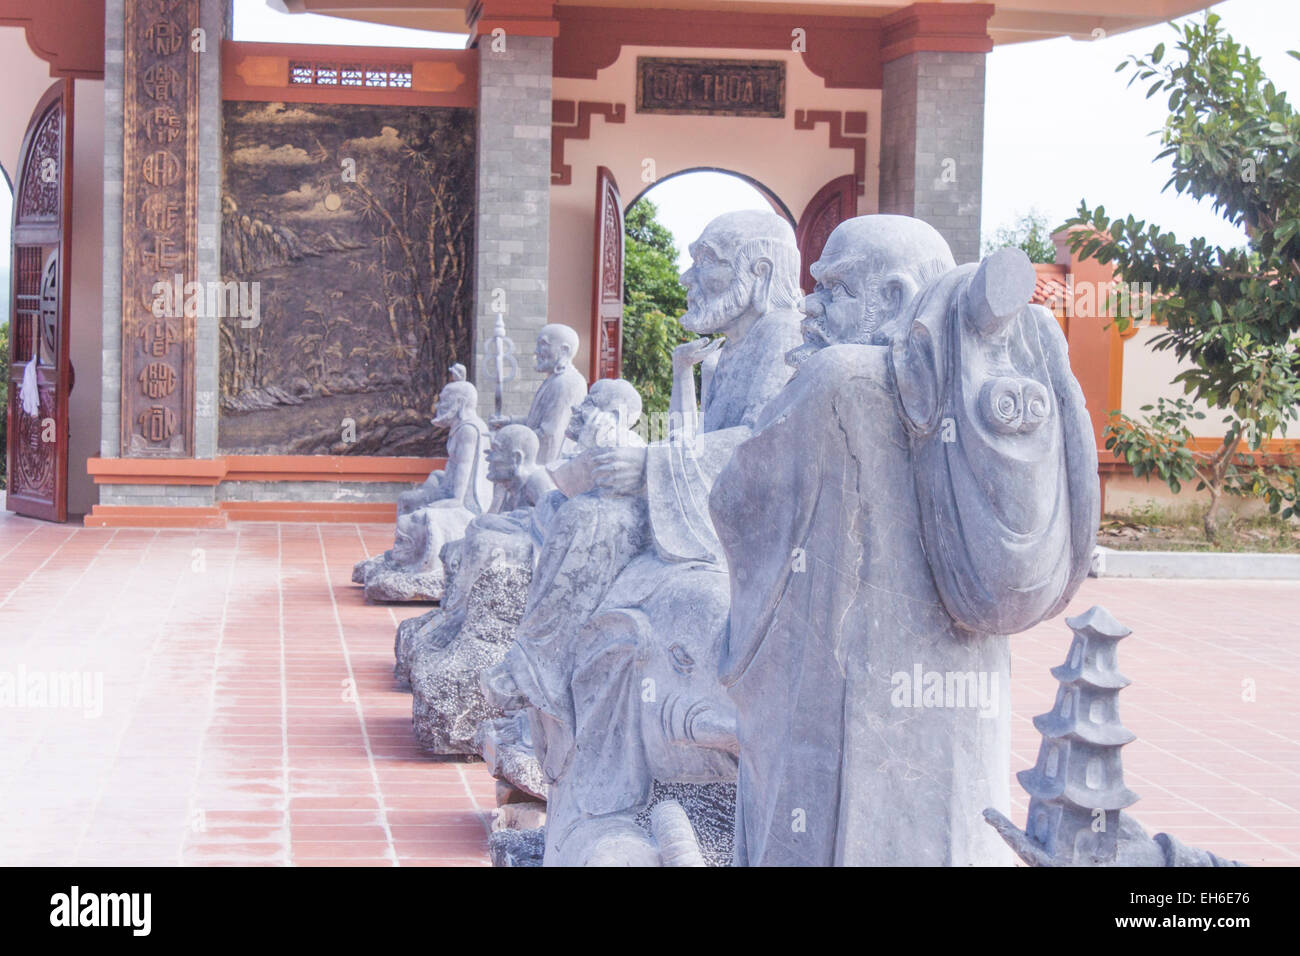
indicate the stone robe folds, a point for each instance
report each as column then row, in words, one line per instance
column 827, row 515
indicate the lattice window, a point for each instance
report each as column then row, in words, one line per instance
column 303, row 73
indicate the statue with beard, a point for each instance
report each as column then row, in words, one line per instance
column 923, row 495
column 410, row 570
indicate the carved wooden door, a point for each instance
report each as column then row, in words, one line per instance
column 38, row 330
column 834, row 202
column 607, row 293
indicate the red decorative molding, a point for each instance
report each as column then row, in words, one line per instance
column 526, row 18
column 67, row 34
column 572, row 120
column 848, row 131
column 843, row 51
column 279, row 73
column 937, row 27
column 213, row 471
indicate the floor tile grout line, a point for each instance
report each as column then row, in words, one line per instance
column 478, row 809
column 212, row 695
column 34, row 745
column 36, row 570
column 126, row 722
column 285, row 777
column 356, row 703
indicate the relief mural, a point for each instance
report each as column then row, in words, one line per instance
column 357, row 224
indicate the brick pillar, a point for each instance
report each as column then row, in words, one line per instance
column 514, row 184
column 932, row 117
column 932, row 147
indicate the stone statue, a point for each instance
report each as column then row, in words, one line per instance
column 483, row 601
column 563, row 388
column 1077, row 795
column 920, row 500
column 631, row 588
column 868, row 273
column 438, row 511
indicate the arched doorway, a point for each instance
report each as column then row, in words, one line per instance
column 37, row 429
column 659, row 224
column 6, row 267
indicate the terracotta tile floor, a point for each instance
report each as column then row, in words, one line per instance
column 247, row 713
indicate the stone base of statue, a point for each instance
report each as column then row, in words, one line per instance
column 410, row 633
column 710, row 809
column 517, row 847
column 507, row 748
column 447, row 700
column 386, row 583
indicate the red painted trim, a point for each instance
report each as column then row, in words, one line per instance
column 527, row 18
column 850, row 121
column 364, row 512
column 842, row 50
column 259, row 72
column 570, row 120
column 66, row 34
column 121, row 516
column 213, row 471
column 936, row 27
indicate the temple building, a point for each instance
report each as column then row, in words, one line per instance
column 242, row 271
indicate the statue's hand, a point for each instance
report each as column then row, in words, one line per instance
column 499, row 421
column 620, row 471
column 694, row 352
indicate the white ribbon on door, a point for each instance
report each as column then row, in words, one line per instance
column 28, row 394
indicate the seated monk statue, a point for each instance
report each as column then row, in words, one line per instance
column 410, row 570
column 445, row 662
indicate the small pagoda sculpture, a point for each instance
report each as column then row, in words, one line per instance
column 1077, row 795
column 1076, row 789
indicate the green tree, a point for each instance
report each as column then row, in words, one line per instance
column 653, row 301
column 1029, row 232
column 1231, row 314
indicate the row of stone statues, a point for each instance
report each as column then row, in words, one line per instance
column 887, row 476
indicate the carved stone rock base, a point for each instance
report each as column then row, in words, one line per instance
column 447, row 699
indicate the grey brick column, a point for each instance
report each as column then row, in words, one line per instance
column 932, row 144
column 514, row 186
column 110, row 414
column 207, row 350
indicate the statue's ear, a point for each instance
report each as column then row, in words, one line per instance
column 896, row 294
column 762, row 271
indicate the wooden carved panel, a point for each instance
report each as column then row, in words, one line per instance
column 364, row 272
column 607, row 285
column 834, row 202
column 38, row 194
column 160, row 157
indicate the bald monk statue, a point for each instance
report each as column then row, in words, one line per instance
column 920, row 500
column 562, row 389
column 411, row 570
